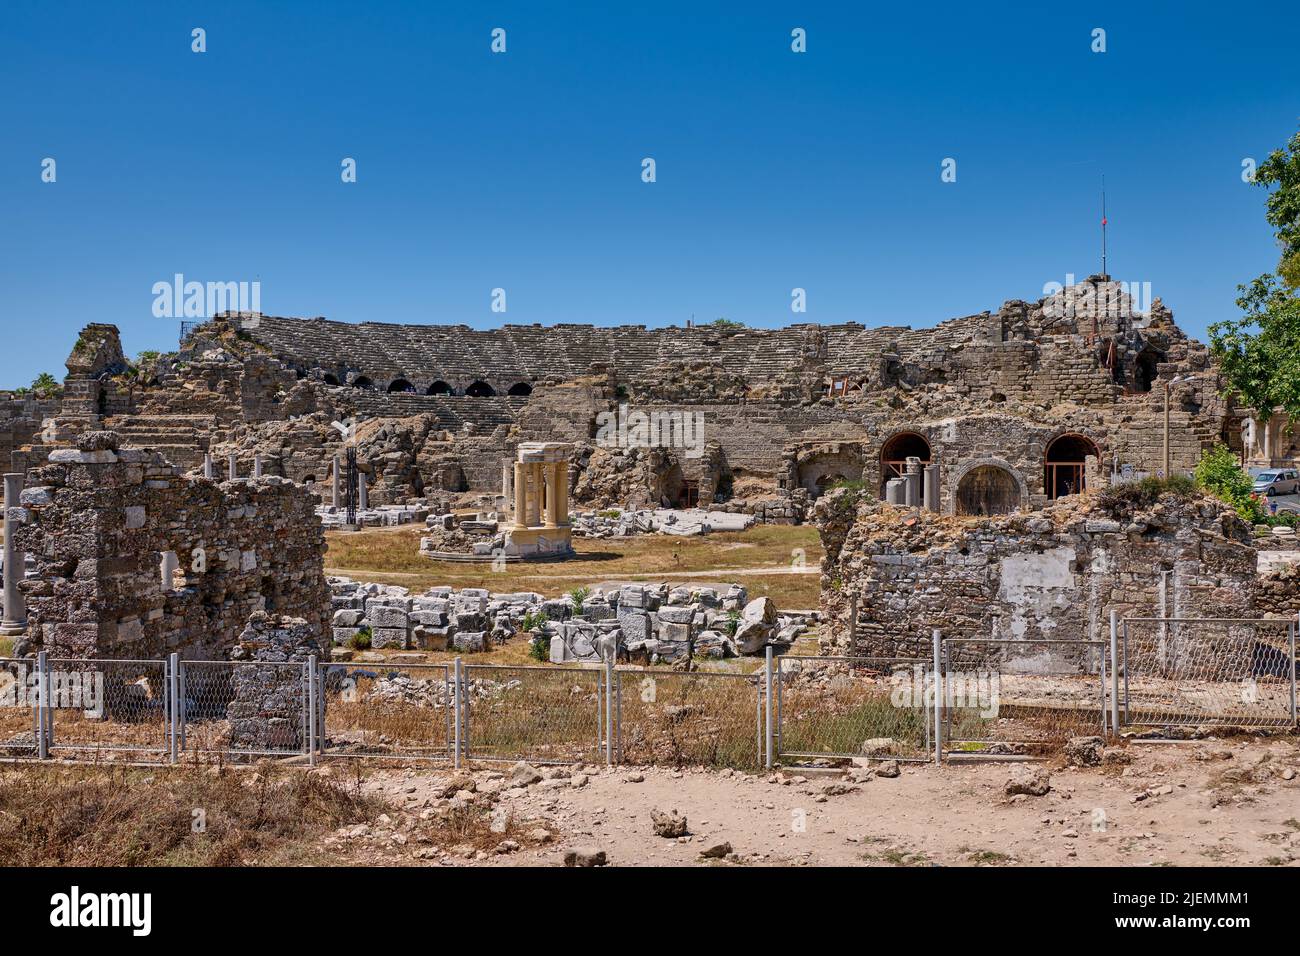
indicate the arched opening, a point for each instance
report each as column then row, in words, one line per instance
column 400, row 385
column 1146, row 369
column 329, row 379
column 987, row 490
column 438, row 388
column 362, row 382
column 520, row 388
column 1063, row 472
column 896, row 451
column 480, row 389
column 826, row 482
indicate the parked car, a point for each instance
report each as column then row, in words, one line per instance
column 1277, row 481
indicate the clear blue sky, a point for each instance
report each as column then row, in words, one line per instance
column 523, row 171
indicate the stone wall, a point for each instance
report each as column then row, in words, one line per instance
column 101, row 521
column 891, row 574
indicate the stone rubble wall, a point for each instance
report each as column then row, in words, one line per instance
column 891, row 575
column 97, row 520
column 649, row 623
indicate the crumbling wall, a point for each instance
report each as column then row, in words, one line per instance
column 100, row 520
column 891, row 574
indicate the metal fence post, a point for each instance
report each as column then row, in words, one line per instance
column 173, row 705
column 41, row 726
column 767, row 708
column 1293, row 629
column 182, row 715
column 936, row 639
column 1114, row 672
column 456, row 701
column 609, row 709
column 312, row 691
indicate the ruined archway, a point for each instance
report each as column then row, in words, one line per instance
column 362, row 381
column 400, row 385
column 520, row 388
column 329, row 378
column 895, row 452
column 988, row 488
column 1146, row 368
column 1063, row 464
column 480, row 389
column 438, row 388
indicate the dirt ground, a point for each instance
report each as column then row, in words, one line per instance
column 1206, row 802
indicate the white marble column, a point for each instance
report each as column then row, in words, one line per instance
column 15, row 617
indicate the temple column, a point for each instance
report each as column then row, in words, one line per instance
column 562, row 493
column 338, row 496
column 534, row 494
column 521, row 495
column 550, row 477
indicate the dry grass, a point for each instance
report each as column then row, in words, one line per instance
column 123, row 816
column 392, row 557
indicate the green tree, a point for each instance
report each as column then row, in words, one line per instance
column 1219, row 474
column 1259, row 353
column 45, row 385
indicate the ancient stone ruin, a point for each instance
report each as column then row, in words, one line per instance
column 135, row 560
column 995, row 411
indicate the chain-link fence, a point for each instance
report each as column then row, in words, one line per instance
column 244, row 708
column 853, row 707
column 1207, row 671
column 537, row 713
column 402, row 710
column 1021, row 695
column 991, row 697
column 696, row 718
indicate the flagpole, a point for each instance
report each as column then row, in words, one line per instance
column 1103, row 224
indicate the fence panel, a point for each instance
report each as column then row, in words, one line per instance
column 108, row 709
column 536, row 713
column 243, row 708
column 402, row 711
column 1215, row 671
column 18, row 709
column 1021, row 695
column 853, row 707
column 700, row 718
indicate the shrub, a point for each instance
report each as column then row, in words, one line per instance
column 1131, row 495
column 360, row 641
column 1220, row 475
column 539, row 648
column 577, row 596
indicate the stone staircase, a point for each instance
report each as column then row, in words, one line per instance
column 181, row 439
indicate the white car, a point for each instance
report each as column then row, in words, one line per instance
column 1277, row 481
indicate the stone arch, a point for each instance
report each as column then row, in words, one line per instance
column 329, row 378
column 819, row 469
column 361, row 381
column 520, row 388
column 1063, row 463
column 438, row 388
column 400, row 385
column 987, row 486
column 894, row 453
column 480, row 389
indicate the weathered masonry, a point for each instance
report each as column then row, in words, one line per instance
column 135, row 560
column 1015, row 408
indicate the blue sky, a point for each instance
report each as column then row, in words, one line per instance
column 522, row 171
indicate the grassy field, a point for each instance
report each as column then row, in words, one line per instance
column 764, row 559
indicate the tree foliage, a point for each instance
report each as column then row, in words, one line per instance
column 1259, row 353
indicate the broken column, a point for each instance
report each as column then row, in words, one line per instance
column 894, row 491
column 257, row 466
column 931, row 490
column 362, row 498
column 207, row 464
column 15, row 561
column 232, row 468
column 912, row 483
column 337, row 498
